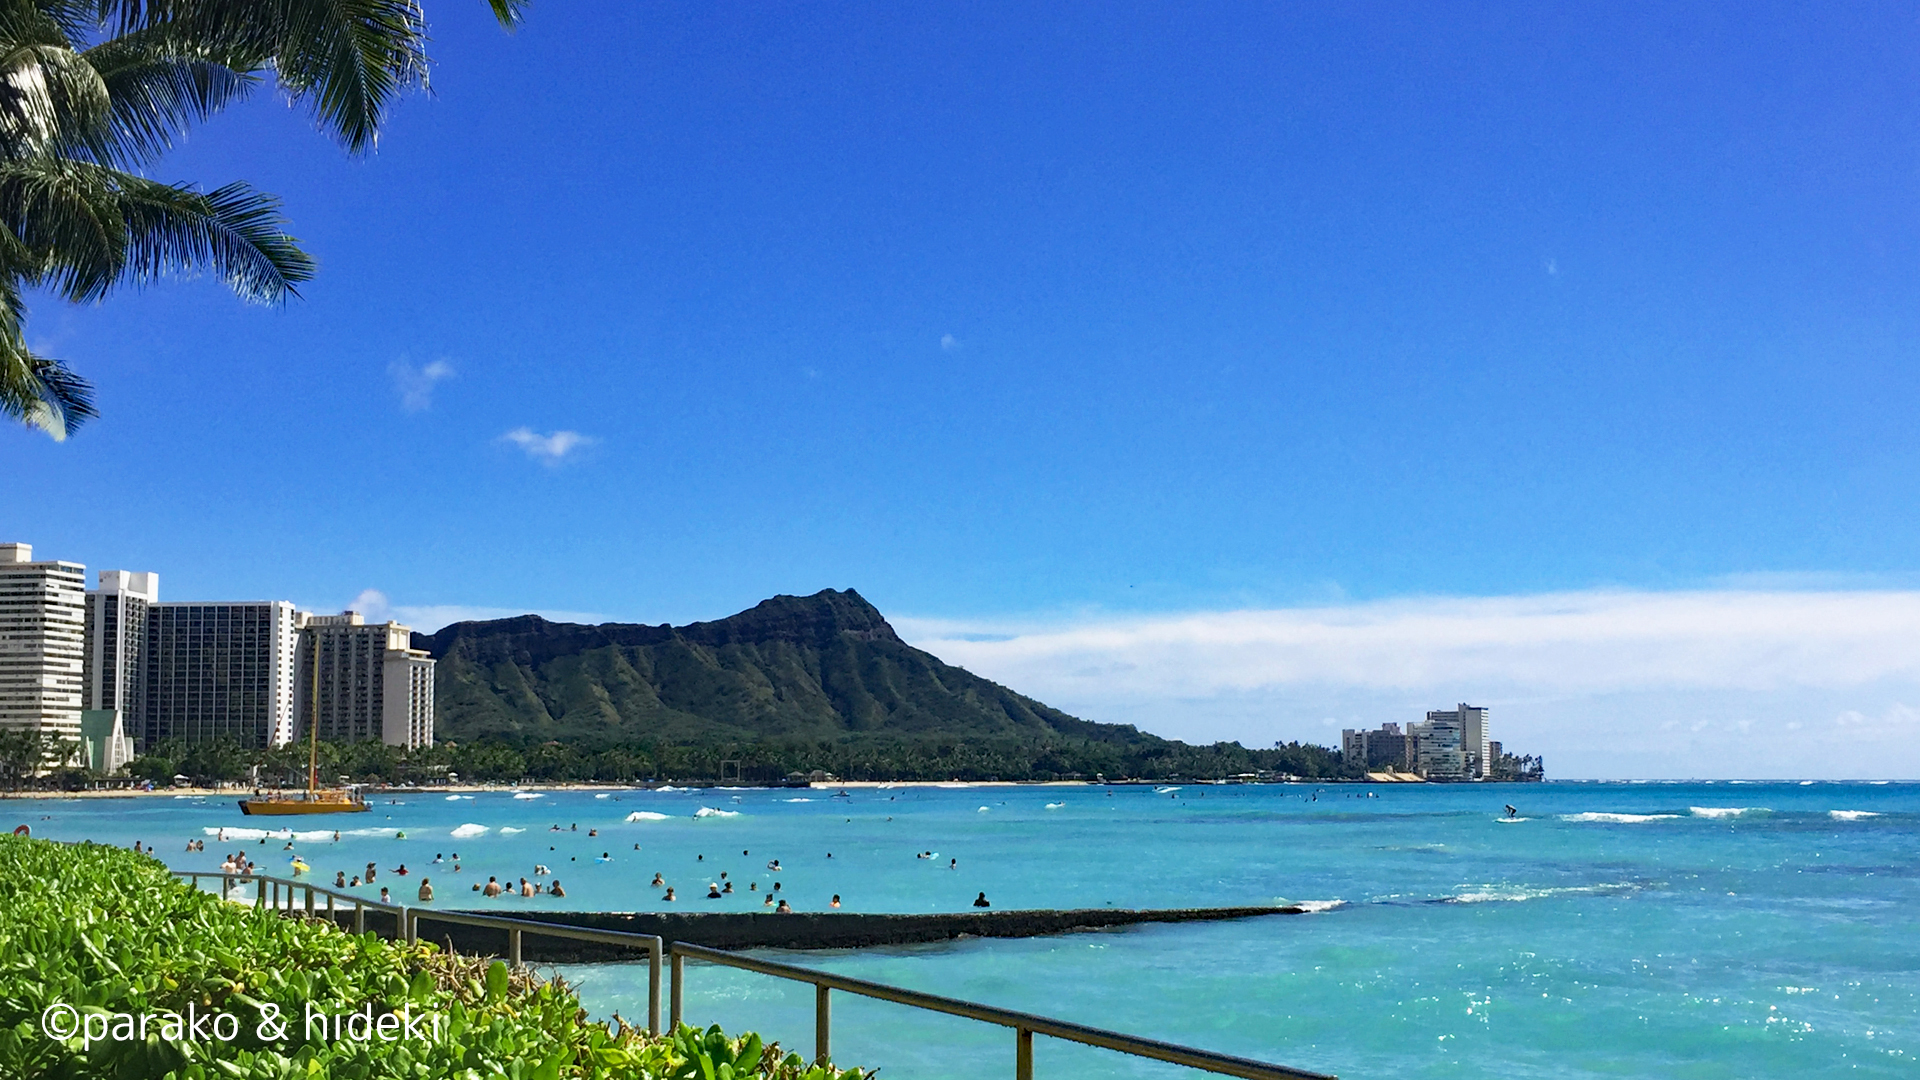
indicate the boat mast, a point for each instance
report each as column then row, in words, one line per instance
column 313, row 724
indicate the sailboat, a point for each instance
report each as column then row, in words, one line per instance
column 314, row 800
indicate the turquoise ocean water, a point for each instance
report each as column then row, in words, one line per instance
column 1697, row 930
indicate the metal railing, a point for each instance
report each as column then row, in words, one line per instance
column 1025, row 1025
column 407, row 921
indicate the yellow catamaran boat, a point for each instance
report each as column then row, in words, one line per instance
column 313, row 800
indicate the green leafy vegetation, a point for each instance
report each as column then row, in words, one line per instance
column 111, row 933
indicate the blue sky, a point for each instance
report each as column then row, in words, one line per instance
column 1069, row 313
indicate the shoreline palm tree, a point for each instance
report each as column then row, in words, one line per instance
column 92, row 92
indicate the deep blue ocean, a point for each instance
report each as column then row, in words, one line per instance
column 1685, row 930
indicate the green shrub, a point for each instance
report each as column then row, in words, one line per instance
column 114, row 936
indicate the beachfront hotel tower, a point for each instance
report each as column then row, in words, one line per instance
column 361, row 680
column 42, row 643
column 117, row 639
column 220, row 670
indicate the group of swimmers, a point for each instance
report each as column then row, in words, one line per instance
column 527, row 888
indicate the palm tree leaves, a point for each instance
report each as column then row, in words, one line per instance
column 91, row 91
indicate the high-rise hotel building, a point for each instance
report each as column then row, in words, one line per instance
column 42, row 643
column 220, row 670
column 112, row 665
column 361, row 680
column 117, row 641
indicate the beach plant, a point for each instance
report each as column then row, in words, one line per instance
column 94, row 92
column 112, row 935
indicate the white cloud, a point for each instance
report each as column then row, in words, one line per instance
column 949, row 343
column 1588, row 677
column 372, row 603
column 547, row 449
column 415, row 385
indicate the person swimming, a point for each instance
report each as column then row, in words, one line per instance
column 526, row 887
column 768, row 902
column 713, row 890
column 340, row 879
column 727, row 888
column 669, row 898
column 593, row 832
column 836, row 900
column 658, row 880
column 783, row 909
column 384, row 898
column 555, row 888
column 493, row 887
column 981, row 901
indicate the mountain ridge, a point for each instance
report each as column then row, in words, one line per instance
column 824, row 666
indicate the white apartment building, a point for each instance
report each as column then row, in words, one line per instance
column 220, row 669
column 361, row 680
column 42, row 643
column 1452, row 744
column 117, row 640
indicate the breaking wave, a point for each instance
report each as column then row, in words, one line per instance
column 506, row 830
column 1497, row 895
column 469, row 830
column 1851, row 815
column 1618, row 819
column 646, row 815
column 708, row 811
column 1726, row 811
column 1314, row 907
column 529, row 794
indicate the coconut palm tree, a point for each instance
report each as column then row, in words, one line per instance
column 94, row 91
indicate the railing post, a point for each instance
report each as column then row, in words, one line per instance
column 1023, row 1055
column 822, row 1024
column 359, row 917
column 309, row 901
column 653, row 988
column 678, row 970
column 513, row 947
column 330, row 907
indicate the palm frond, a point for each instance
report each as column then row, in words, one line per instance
column 349, row 60
column 67, row 230
column 83, row 228
column 235, row 231
column 36, row 390
column 509, row 12
column 156, row 93
column 46, row 89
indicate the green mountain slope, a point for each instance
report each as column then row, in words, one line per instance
column 796, row 682
column 816, row 667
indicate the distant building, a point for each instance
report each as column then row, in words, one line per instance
column 220, row 670
column 361, row 680
column 1387, row 748
column 1452, row 744
column 43, row 610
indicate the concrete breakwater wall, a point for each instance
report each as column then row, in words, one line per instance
column 809, row 930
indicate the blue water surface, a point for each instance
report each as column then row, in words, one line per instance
column 1697, row 930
